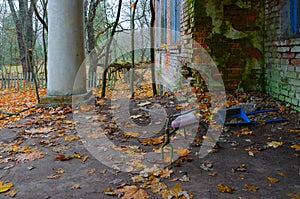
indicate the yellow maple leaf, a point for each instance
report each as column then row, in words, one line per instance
column 26, row 149
column 224, row 189
column 146, row 142
column 272, row 179
column 5, row 187
column 132, row 192
column 250, row 187
column 295, row 146
column 182, row 152
column 174, row 191
column 157, row 140
column 274, row 144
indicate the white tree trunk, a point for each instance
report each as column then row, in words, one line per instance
column 66, row 48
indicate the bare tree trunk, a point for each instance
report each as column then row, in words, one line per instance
column 41, row 19
column 108, row 49
column 152, row 50
column 29, row 38
column 19, row 29
column 45, row 16
column 132, row 50
column 24, row 27
column 90, row 16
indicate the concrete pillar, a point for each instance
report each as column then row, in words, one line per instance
column 65, row 50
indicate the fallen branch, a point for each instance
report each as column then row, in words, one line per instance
column 8, row 113
column 12, row 114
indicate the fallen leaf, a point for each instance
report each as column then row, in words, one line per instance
column 272, row 179
column 281, row 174
column 174, row 191
column 294, row 130
column 101, row 102
column 12, row 193
column 152, row 141
column 132, row 192
column 53, row 176
column 77, row 155
column 241, row 168
column 70, row 122
column 182, row 152
column 31, row 156
column 252, row 149
column 71, row 137
column 91, row 171
column 60, row 171
column 109, row 191
column 157, row 140
column 84, row 158
column 135, row 116
column 166, row 173
column 246, row 131
column 5, row 160
column 26, row 149
column 294, row 196
column 5, row 187
column 131, row 134
column 146, row 142
column 250, row 188
column 224, row 189
column 184, row 178
column 75, row 186
column 178, row 107
column 61, row 133
column 85, row 108
column 295, row 146
column 137, row 178
column 62, row 157
column 274, row 144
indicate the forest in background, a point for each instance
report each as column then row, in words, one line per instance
column 24, row 26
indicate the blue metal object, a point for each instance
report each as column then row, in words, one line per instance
column 239, row 113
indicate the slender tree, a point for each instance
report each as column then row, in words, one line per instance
column 132, row 49
column 108, row 49
column 152, row 50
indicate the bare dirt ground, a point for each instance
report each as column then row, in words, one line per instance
column 43, row 157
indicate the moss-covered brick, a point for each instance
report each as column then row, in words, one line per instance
column 233, row 31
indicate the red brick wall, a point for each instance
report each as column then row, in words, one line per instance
column 232, row 36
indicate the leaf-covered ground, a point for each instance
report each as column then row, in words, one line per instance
column 44, row 156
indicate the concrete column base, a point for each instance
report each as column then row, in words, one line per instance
column 50, row 101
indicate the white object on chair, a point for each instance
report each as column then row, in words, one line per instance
column 184, row 120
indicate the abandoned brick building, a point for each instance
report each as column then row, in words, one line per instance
column 254, row 43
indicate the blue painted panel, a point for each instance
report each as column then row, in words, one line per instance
column 294, row 16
